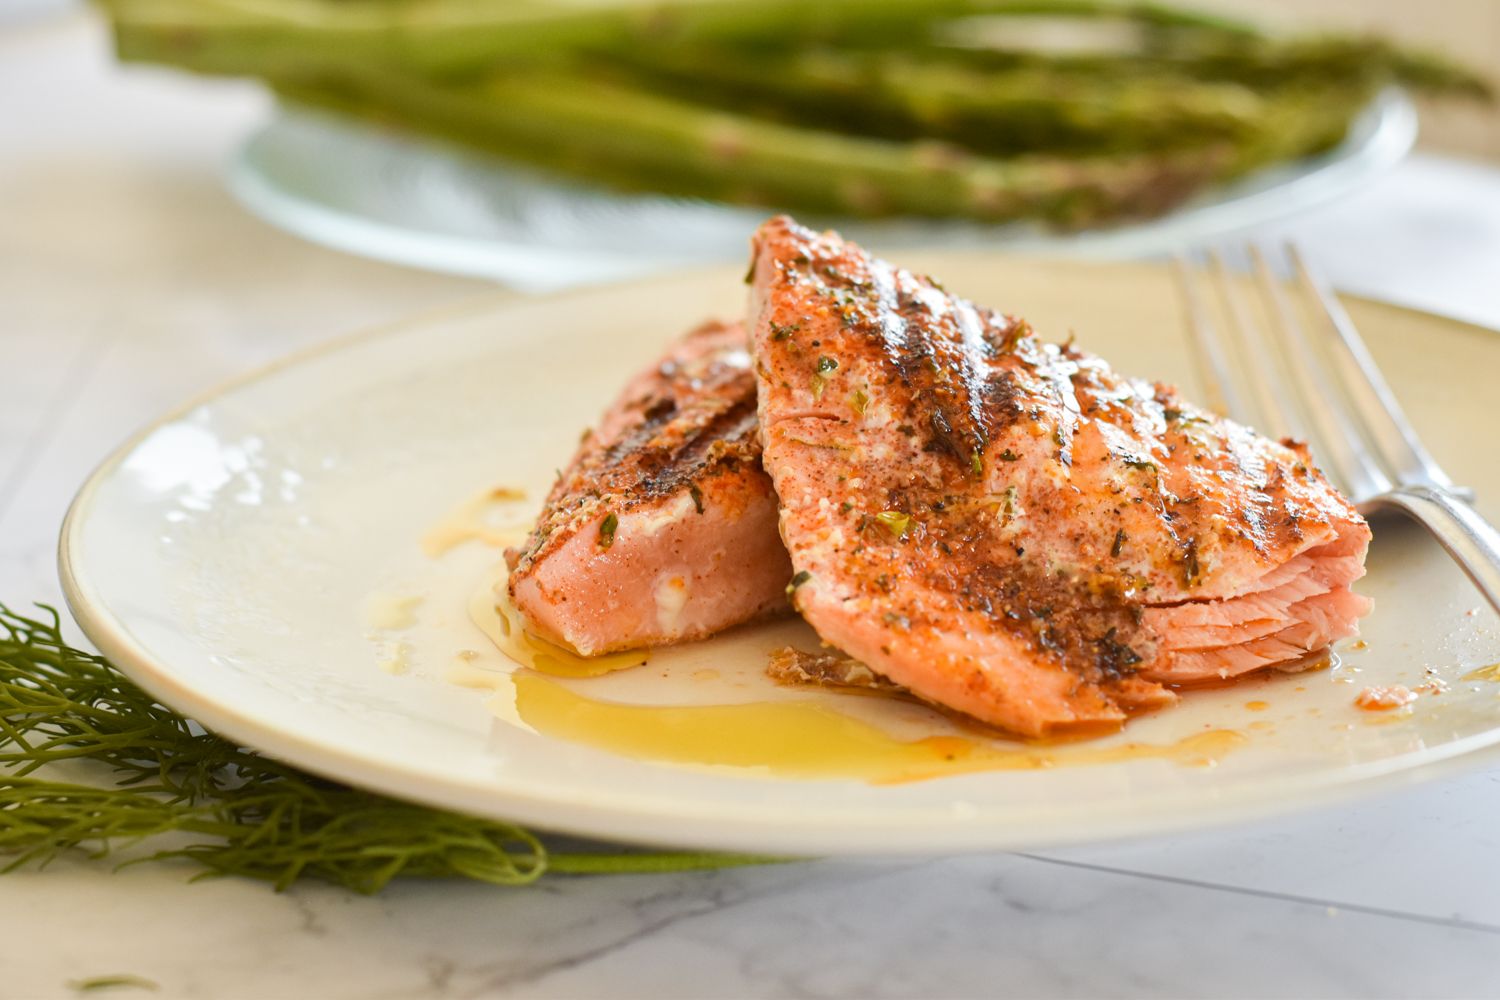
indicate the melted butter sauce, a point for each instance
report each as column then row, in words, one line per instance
column 385, row 614
column 1487, row 673
column 474, row 520
column 391, row 612
column 811, row 739
column 394, row 656
column 490, row 609
column 803, row 738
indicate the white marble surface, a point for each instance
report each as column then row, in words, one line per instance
column 128, row 281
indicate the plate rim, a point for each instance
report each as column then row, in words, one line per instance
column 599, row 819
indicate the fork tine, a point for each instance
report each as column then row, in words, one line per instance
column 1271, row 410
column 1472, row 541
column 1208, row 348
column 1388, row 430
column 1337, row 441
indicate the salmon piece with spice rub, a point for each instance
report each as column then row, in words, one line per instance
column 1008, row 527
column 663, row 526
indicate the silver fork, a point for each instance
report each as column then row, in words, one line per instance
column 1324, row 386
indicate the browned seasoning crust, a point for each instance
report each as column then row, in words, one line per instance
column 662, row 528
column 690, row 427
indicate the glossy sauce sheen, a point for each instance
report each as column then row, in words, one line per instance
column 809, row 739
column 1489, row 673
column 472, row 521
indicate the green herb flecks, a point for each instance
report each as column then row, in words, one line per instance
column 1176, row 416
column 895, row 521
column 824, row 445
column 1119, row 545
column 231, row 810
column 798, row 579
column 1010, row 504
column 1009, row 456
column 859, row 401
column 122, row 980
column 826, row 366
column 782, row 332
column 697, row 495
column 607, row 529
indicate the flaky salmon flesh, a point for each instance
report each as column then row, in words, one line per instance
column 1010, row 528
column 1002, row 526
column 663, row 526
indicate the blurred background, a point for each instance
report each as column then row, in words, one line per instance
column 1468, row 30
column 1077, row 125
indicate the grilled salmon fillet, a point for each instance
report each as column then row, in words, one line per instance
column 663, row 526
column 1010, row 528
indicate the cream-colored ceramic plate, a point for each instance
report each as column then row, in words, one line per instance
column 244, row 560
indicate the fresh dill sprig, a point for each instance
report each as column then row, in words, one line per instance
column 243, row 813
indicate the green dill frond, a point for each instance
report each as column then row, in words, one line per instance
column 244, row 814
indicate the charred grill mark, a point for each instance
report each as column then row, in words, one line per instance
column 659, row 411
column 722, row 441
column 1002, row 398
column 944, row 438
column 1255, row 525
column 656, row 413
column 947, row 359
column 907, row 355
column 1059, row 376
column 972, row 371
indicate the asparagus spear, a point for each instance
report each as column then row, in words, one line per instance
column 1257, row 63
column 456, row 37
column 1205, row 100
column 630, row 138
column 1003, row 112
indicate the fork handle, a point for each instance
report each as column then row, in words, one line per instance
column 1473, row 542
